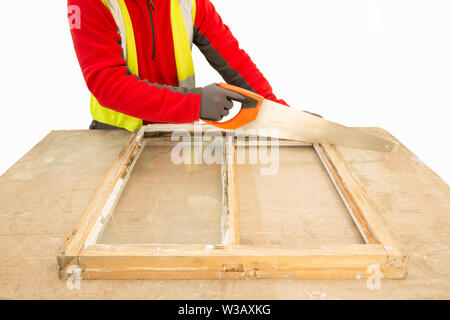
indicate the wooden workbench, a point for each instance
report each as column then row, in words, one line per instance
column 44, row 194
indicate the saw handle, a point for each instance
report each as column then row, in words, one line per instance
column 249, row 110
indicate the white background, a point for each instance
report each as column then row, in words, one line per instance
column 358, row 62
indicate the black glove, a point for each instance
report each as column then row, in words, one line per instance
column 216, row 102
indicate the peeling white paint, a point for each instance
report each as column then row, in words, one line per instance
column 104, row 214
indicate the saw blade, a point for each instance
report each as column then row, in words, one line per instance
column 279, row 121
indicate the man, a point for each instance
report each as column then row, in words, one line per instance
column 135, row 56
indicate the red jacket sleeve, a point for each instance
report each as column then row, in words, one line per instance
column 221, row 49
column 97, row 45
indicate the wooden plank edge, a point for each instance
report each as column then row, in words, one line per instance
column 219, row 249
column 253, row 274
column 240, row 263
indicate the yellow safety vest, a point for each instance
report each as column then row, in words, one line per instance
column 182, row 15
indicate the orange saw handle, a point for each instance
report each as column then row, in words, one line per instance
column 248, row 113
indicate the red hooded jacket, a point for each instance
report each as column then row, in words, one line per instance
column 97, row 45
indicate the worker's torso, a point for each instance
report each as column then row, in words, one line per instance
column 156, row 58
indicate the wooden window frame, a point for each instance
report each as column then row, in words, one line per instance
column 229, row 260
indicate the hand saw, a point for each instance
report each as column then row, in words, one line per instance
column 287, row 123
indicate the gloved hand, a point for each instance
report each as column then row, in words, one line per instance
column 216, row 102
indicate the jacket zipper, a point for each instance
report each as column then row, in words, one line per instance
column 151, row 7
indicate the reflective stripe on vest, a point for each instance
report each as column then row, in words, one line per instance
column 182, row 13
column 182, row 17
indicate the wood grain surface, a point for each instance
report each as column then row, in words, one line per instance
column 43, row 196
